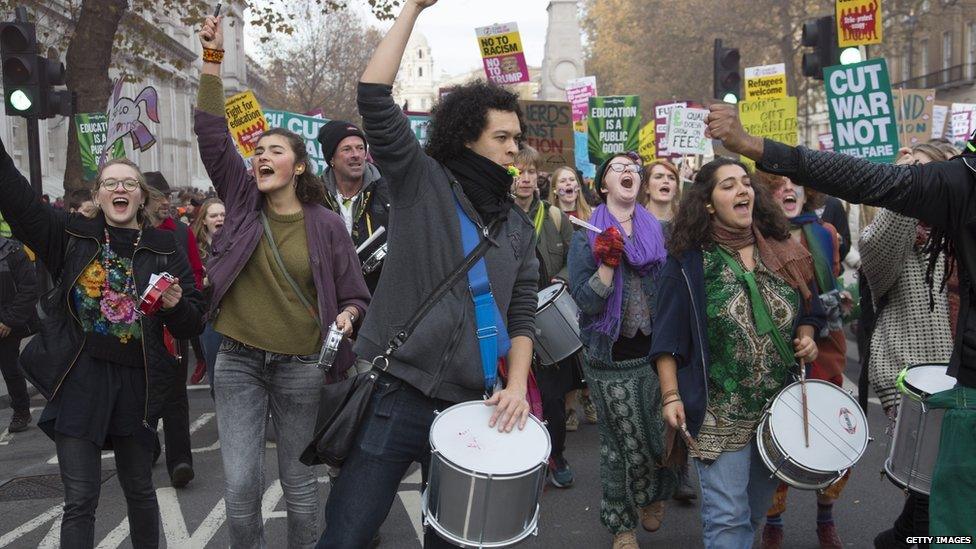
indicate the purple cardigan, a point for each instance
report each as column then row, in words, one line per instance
column 336, row 270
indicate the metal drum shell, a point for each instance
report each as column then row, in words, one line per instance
column 557, row 327
column 790, row 471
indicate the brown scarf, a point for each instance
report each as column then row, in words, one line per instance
column 787, row 258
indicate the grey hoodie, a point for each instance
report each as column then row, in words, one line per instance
column 441, row 358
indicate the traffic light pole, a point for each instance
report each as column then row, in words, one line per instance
column 34, row 155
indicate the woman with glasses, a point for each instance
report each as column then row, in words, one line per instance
column 613, row 280
column 109, row 376
column 565, row 191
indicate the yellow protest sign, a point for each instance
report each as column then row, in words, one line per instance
column 502, row 54
column 772, row 118
column 859, row 22
column 765, row 82
column 246, row 121
column 648, row 146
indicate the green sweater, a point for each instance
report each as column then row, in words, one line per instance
column 261, row 309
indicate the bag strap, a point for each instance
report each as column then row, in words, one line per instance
column 760, row 313
column 445, row 286
column 557, row 218
column 306, row 302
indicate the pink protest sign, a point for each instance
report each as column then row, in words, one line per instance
column 501, row 51
column 578, row 93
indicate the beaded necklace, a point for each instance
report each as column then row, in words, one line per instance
column 118, row 306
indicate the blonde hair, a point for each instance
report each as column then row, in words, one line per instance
column 528, row 156
column 143, row 214
column 646, row 192
column 583, row 210
column 199, row 226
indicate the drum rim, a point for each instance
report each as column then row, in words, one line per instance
column 867, row 430
column 886, row 469
column 912, row 391
column 431, row 521
column 500, row 476
column 552, row 300
column 485, row 476
column 778, row 472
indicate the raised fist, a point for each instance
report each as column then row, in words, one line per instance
column 608, row 247
column 212, row 33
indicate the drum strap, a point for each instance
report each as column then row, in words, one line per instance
column 764, row 322
column 493, row 338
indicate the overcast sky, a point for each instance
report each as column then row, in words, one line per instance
column 449, row 28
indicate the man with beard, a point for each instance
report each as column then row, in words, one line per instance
column 354, row 188
column 460, row 179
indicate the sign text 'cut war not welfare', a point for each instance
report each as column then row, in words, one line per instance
column 862, row 114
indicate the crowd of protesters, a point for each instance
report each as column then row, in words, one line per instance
column 274, row 241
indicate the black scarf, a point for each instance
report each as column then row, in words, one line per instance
column 486, row 184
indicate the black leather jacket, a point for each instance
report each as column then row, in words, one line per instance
column 941, row 194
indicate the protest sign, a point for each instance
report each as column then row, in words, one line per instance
column 245, row 121
column 578, row 93
column 686, row 131
column 583, row 163
column 648, row 147
column 125, row 118
column 913, row 111
column 772, row 118
column 419, row 121
column 307, row 127
column 501, row 52
column 613, row 124
column 825, row 142
column 862, row 114
column 765, row 82
column 859, row 22
column 92, row 131
column 962, row 121
column 940, row 113
column 661, row 113
column 549, row 130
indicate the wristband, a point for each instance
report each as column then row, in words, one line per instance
column 211, row 55
column 669, row 393
column 672, row 401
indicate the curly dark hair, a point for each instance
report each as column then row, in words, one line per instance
column 460, row 117
column 693, row 225
column 309, row 187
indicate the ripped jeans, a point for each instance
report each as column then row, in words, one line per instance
column 247, row 382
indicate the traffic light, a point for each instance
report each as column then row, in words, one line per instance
column 821, row 35
column 727, row 81
column 28, row 78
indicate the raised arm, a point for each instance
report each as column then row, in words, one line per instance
column 383, row 66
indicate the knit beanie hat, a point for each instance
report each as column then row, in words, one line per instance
column 333, row 132
column 602, row 170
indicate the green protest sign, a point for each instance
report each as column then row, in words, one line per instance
column 862, row 114
column 92, row 128
column 613, row 126
column 306, row 126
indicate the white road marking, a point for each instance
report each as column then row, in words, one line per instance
column 6, row 436
column 116, row 537
column 52, row 538
column 51, row 514
column 270, row 500
column 411, row 503
column 174, row 526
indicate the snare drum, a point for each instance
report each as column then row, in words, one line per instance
column 915, row 442
column 484, row 486
column 838, row 435
column 556, row 325
column 151, row 299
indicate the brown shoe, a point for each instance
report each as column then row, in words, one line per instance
column 626, row 540
column 772, row 537
column 652, row 515
column 827, row 535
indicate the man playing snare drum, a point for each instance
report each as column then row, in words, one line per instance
column 474, row 134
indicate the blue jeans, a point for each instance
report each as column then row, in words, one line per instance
column 394, row 433
column 736, row 492
column 210, row 339
column 248, row 380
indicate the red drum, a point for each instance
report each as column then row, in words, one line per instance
column 151, row 299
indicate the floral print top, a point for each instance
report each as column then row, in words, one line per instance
column 745, row 371
column 105, row 297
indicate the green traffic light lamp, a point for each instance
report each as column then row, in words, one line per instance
column 20, row 100
column 730, row 98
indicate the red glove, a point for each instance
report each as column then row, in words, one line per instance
column 608, row 247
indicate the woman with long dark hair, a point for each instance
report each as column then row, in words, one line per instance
column 282, row 269
column 111, row 392
column 735, row 290
column 613, row 278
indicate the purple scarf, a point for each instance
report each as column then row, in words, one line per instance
column 644, row 251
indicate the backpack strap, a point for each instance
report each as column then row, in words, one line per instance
column 557, row 219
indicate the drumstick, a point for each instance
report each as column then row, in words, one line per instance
column 803, row 393
column 577, row 221
column 370, row 240
column 689, row 439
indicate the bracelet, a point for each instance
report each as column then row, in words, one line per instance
column 211, row 55
column 669, row 393
column 673, row 400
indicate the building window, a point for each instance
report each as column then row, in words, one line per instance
column 420, row 54
column 906, row 68
column 971, row 49
column 923, row 47
column 420, row 71
column 946, row 50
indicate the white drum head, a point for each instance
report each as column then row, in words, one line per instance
column 548, row 294
column 928, row 379
column 462, row 436
column 838, row 428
